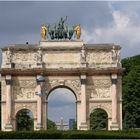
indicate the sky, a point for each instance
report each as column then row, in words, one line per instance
column 101, row 22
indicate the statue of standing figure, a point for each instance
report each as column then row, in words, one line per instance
column 9, row 56
column 43, row 32
column 114, row 54
column 83, row 55
column 77, row 30
column 39, row 56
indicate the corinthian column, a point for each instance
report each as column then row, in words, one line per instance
column 83, row 125
column 8, row 125
column 40, row 80
column 114, row 125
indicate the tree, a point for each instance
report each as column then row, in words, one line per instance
column 24, row 120
column 131, row 98
column 98, row 119
column 51, row 125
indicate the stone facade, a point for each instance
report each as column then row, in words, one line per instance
column 91, row 71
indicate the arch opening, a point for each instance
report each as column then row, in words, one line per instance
column 24, row 120
column 62, row 108
column 99, row 120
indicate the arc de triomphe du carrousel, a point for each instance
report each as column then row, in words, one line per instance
column 92, row 72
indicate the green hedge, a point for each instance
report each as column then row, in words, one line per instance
column 70, row 135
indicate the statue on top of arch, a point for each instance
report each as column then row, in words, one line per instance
column 61, row 31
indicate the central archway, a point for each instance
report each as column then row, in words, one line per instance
column 62, row 108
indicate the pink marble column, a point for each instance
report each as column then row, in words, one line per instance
column 39, row 107
column 40, row 80
column 114, row 125
column 8, row 125
column 83, row 125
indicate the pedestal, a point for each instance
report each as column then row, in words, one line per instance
column 83, row 65
column 83, row 126
column 39, row 65
column 114, row 126
column 8, row 127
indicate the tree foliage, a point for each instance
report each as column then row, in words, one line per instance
column 51, row 125
column 98, row 119
column 131, row 92
column 24, row 120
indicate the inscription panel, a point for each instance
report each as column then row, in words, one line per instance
column 59, row 57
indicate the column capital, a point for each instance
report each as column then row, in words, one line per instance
column 83, row 76
column 114, row 78
column 40, row 79
column 8, row 80
column 83, row 79
column 8, row 77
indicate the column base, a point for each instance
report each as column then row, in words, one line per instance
column 83, row 126
column 114, row 126
column 8, row 127
column 39, row 126
column 9, row 65
column 83, row 65
column 39, row 65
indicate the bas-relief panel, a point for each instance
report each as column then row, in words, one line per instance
column 24, row 56
column 99, row 56
column 60, row 57
column 24, row 89
column 99, row 88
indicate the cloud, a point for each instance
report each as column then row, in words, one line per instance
column 124, row 31
column 24, row 18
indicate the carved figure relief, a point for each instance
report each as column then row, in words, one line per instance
column 101, row 93
column 101, row 88
column 39, row 56
column 24, row 89
column 27, row 57
column 9, row 56
column 83, row 55
column 114, row 54
column 99, row 57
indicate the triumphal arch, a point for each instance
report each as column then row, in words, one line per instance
column 92, row 72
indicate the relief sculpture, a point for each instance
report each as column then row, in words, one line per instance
column 24, row 89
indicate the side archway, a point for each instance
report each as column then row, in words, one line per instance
column 99, row 119
column 24, row 120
